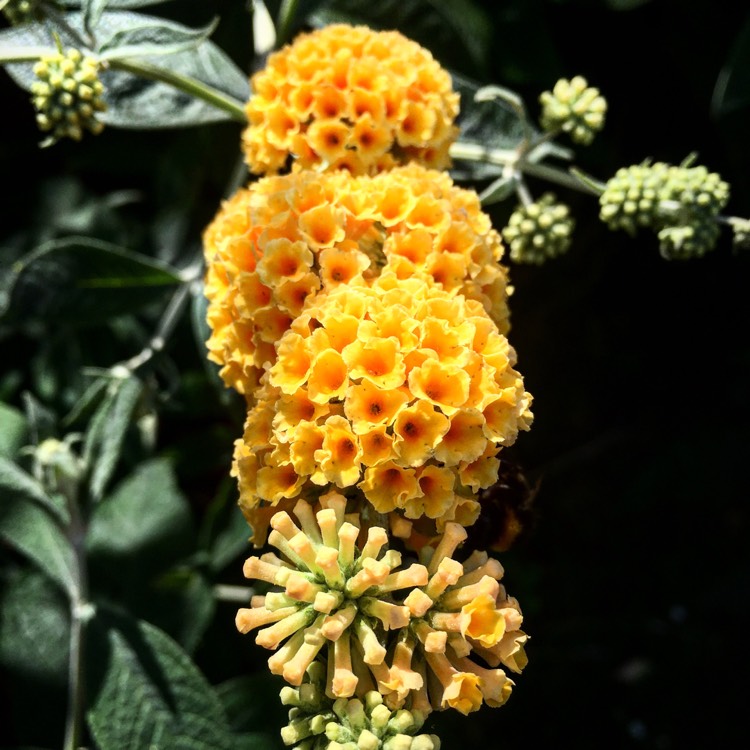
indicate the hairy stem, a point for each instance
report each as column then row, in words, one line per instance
column 80, row 613
column 191, row 86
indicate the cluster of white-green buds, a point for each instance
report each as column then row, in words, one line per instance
column 575, row 108
column 67, row 95
column 679, row 203
column 540, row 230
column 21, row 11
column 319, row 723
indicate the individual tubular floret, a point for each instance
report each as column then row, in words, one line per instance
column 334, row 593
column 348, row 97
column 67, row 95
column 464, row 627
column 539, row 231
column 400, row 392
column 275, row 245
column 575, row 108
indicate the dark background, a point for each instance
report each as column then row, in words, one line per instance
column 634, row 573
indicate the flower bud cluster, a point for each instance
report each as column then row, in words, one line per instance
column 679, row 203
column 343, row 595
column 317, row 722
column 350, row 98
column 68, row 95
column 539, row 231
column 575, row 108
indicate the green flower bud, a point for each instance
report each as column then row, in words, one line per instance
column 352, row 724
column 575, row 108
column 689, row 240
column 67, row 95
column 22, row 11
column 631, row 198
column 740, row 233
column 539, row 231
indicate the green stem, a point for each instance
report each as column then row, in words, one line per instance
column 80, row 613
column 556, row 176
column 512, row 157
column 228, row 104
column 11, row 55
column 167, row 324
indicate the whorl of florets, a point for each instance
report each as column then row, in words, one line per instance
column 575, row 108
column 539, row 231
column 67, row 95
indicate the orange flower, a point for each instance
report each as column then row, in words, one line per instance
column 349, row 90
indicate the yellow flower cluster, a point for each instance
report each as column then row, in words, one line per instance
column 350, row 98
column 275, row 245
column 344, row 595
column 399, row 389
column 360, row 306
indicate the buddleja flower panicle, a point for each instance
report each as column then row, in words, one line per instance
column 348, row 97
column 68, row 95
column 399, row 392
column 277, row 244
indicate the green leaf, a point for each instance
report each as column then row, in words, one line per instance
column 13, row 430
column 154, row 38
column 107, row 431
column 88, row 401
column 92, row 13
column 501, row 189
column 14, row 481
column 186, row 605
column 252, row 701
column 40, row 419
column 83, row 280
column 143, row 519
column 34, row 625
column 132, row 100
column 152, row 695
column 732, row 89
column 224, row 533
column 30, row 530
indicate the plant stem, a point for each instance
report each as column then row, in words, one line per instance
column 80, row 613
column 191, row 86
column 557, row 176
column 505, row 157
column 238, row 594
column 167, row 324
column 11, row 55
